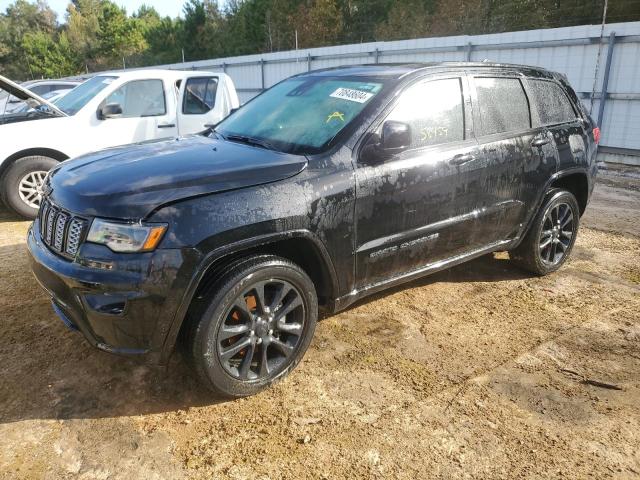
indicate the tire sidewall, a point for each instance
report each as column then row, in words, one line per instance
column 11, row 182
column 215, row 314
column 561, row 196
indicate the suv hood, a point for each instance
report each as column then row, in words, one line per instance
column 131, row 182
column 24, row 94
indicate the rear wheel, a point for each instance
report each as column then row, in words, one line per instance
column 552, row 235
column 22, row 184
column 255, row 327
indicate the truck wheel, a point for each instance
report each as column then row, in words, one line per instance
column 253, row 328
column 550, row 239
column 22, row 184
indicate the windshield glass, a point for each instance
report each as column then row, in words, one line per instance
column 302, row 115
column 77, row 98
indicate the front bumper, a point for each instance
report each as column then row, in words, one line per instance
column 127, row 309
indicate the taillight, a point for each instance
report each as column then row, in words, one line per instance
column 596, row 135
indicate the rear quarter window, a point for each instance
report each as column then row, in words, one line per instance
column 552, row 103
column 503, row 105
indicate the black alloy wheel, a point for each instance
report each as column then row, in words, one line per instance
column 551, row 235
column 252, row 327
column 261, row 330
column 556, row 234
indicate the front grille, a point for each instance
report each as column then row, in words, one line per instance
column 60, row 230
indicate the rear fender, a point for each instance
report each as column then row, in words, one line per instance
column 543, row 195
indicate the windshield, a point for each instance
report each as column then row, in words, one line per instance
column 302, row 115
column 77, row 98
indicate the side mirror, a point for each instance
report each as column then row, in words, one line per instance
column 111, row 110
column 395, row 138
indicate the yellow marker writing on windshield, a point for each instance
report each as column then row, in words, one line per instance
column 335, row 115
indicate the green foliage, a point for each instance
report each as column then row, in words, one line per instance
column 21, row 18
column 98, row 34
column 118, row 35
column 164, row 42
column 48, row 56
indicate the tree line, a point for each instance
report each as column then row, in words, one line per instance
column 97, row 35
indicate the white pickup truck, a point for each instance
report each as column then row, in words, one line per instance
column 107, row 110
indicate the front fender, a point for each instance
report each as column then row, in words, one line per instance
column 227, row 251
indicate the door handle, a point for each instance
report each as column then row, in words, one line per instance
column 460, row 159
column 210, row 125
column 540, row 142
column 167, row 125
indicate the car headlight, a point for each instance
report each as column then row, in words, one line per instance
column 124, row 237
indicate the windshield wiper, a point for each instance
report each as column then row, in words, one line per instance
column 250, row 141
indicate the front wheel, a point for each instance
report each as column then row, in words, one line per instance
column 552, row 235
column 255, row 327
column 22, row 184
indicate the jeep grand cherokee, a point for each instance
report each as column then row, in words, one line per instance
column 328, row 187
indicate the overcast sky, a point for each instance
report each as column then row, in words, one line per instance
column 173, row 8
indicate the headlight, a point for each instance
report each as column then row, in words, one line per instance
column 126, row 238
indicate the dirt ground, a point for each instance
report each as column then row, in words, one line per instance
column 464, row 374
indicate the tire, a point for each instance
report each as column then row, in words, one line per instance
column 25, row 172
column 548, row 244
column 218, row 325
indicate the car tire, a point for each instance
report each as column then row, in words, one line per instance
column 551, row 237
column 234, row 320
column 21, row 182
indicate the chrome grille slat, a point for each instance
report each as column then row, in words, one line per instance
column 60, row 230
column 61, row 223
column 44, row 209
column 53, row 212
column 73, row 236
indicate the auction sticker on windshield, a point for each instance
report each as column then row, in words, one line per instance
column 351, row 95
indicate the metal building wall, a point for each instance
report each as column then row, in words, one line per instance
column 570, row 50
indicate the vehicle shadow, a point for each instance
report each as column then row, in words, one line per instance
column 49, row 372
column 7, row 215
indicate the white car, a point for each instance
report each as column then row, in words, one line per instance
column 108, row 110
column 52, row 97
column 11, row 104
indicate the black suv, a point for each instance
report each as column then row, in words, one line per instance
column 328, row 187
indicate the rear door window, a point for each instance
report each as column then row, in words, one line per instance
column 199, row 95
column 434, row 112
column 503, row 105
column 553, row 104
